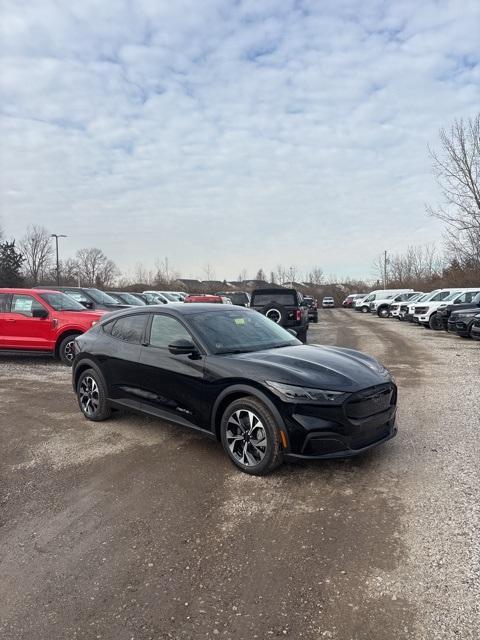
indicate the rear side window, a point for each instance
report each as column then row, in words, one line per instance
column 166, row 330
column 129, row 328
column 261, row 299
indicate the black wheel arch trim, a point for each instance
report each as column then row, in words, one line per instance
column 81, row 365
column 248, row 390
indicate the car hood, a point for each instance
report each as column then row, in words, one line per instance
column 313, row 366
column 458, row 309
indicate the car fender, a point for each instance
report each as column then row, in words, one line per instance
column 82, row 364
column 248, row 390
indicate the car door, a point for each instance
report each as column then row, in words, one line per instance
column 22, row 330
column 120, row 354
column 171, row 383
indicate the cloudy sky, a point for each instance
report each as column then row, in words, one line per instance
column 240, row 133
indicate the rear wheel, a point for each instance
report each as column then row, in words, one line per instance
column 382, row 312
column 92, row 396
column 302, row 335
column 251, row 437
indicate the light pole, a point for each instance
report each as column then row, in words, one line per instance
column 57, row 236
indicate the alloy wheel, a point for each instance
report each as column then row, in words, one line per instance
column 68, row 351
column 246, row 437
column 89, row 396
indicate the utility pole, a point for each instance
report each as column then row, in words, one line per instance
column 57, row 236
column 385, row 271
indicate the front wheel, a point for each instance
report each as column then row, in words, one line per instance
column 66, row 351
column 365, row 309
column 434, row 323
column 92, row 396
column 382, row 312
column 251, row 437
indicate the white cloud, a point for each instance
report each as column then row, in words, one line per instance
column 240, row 134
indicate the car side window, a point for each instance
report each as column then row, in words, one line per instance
column 166, row 330
column 3, row 302
column 129, row 328
column 25, row 305
column 76, row 295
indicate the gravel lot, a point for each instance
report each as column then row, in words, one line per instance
column 133, row 529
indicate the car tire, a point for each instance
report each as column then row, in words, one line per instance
column 433, row 322
column 364, row 309
column 92, row 396
column 382, row 312
column 243, row 418
column 275, row 312
column 66, row 353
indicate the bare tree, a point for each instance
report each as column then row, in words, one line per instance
column 37, row 250
column 209, row 272
column 95, row 269
column 260, row 275
column 315, row 276
column 457, row 170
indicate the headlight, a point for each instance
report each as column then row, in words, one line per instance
column 304, row 394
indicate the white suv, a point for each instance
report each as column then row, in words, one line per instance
column 400, row 309
column 363, row 304
column 426, row 310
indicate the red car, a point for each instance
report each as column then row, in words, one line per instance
column 42, row 322
column 206, row 297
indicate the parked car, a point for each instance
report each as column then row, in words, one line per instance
column 475, row 330
column 363, row 304
column 461, row 320
column 42, row 322
column 408, row 310
column 381, row 305
column 467, row 300
column 350, row 299
column 426, row 311
column 157, row 297
column 399, row 309
column 285, row 307
column 239, row 378
column 312, row 306
column 125, row 297
column 207, row 297
column 328, row 302
column 239, row 298
column 90, row 298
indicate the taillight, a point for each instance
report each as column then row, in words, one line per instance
column 299, row 315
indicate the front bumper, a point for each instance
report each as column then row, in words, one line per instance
column 475, row 332
column 366, row 419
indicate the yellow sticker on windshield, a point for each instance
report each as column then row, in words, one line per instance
column 239, row 320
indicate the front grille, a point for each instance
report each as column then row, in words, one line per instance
column 404, row 307
column 370, row 402
column 421, row 310
column 393, row 306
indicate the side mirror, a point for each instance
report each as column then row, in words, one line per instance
column 182, row 347
column 39, row 313
column 87, row 304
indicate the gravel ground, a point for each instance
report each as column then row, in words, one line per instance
column 135, row 529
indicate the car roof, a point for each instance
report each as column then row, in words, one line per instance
column 273, row 290
column 180, row 309
column 22, row 290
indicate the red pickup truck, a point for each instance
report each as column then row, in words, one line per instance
column 42, row 322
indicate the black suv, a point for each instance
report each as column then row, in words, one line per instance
column 286, row 307
column 470, row 300
column 312, row 306
column 91, row 298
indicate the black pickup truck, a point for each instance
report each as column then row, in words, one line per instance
column 286, row 307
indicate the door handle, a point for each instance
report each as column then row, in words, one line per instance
column 10, row 320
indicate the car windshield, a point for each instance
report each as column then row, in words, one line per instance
column 452, row 296
column 101, row 298
column 231, row 331
column 61, row 302
column 129, row 299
